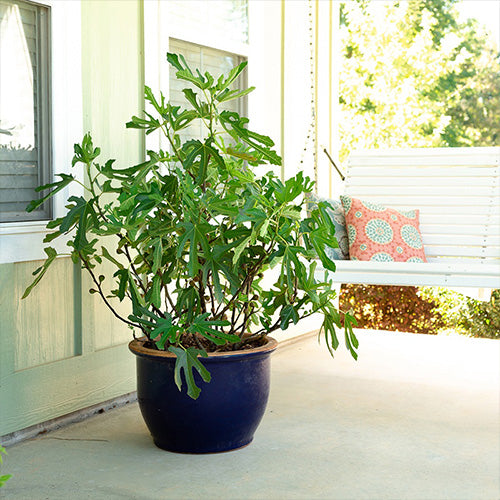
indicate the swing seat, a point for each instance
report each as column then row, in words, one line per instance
column 457, row 191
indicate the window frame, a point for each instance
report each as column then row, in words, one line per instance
column 23, row 241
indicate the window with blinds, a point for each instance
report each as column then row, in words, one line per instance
column 214, row 61
column 25, row 124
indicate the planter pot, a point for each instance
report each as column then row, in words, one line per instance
column 226, row 413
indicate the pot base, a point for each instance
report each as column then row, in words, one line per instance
column 208, row 452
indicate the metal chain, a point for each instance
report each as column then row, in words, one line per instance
column 311, row 131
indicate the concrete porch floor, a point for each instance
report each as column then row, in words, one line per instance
column 417, row 417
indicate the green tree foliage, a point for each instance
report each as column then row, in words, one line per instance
column 414, row 76
column 5, row 477
column 466, row 315
column 393, row 308
column 430, row 310
column 482, row 319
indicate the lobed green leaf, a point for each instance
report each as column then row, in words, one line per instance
column 187, row 361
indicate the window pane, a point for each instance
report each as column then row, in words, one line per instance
column 24, row 117
column 214, row 61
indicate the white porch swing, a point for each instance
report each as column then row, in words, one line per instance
column 456, row 190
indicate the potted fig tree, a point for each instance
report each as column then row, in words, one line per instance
column 192, row 233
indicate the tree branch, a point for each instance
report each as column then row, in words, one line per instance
column 103, row 296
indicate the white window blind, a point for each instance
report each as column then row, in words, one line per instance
column 25, row 122
column 214, row 61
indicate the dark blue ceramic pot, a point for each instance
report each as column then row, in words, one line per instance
column 226, row 413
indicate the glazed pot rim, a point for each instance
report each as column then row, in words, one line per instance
column 136, row 346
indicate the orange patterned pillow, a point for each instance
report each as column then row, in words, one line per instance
column 380, row 233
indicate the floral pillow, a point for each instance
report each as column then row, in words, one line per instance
column 380, row 233
column 337, row 217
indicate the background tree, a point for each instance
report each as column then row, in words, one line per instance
column 412, row 75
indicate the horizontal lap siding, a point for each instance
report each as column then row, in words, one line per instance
column 456, row 191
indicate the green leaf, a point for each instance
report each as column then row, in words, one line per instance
column 292, row 212
column 142, row 124
column 51, row 255
column 319, row 242
column 197, row 81
column 205, row 152
column 135, row 295
column 162, row 327
column 189, row 300
column 184, row 119
column 264, row 227
column 4, row 479
column 233, row 74
column 87, row 215
column 173, row 59
column 239, row 249
column 51, row 236
column 236, row 126
column 328, row 327
column 167, row 334
column 228, row 95
column 73, row 214
column 228, row 205
column 108, row 256
column 292, row 264
column 322, row 236
column 148, row 94
column 85, row 152
column 156, row 292
column 287, row 314
column 122, row 275
column 203, row 327
column 187, row 361
column 157, row 256
column 241, row 154
column 255, row 215
column 217, row 261
column 350, row 338
column 202, row 109
column 58, row 186
column 195, row 235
